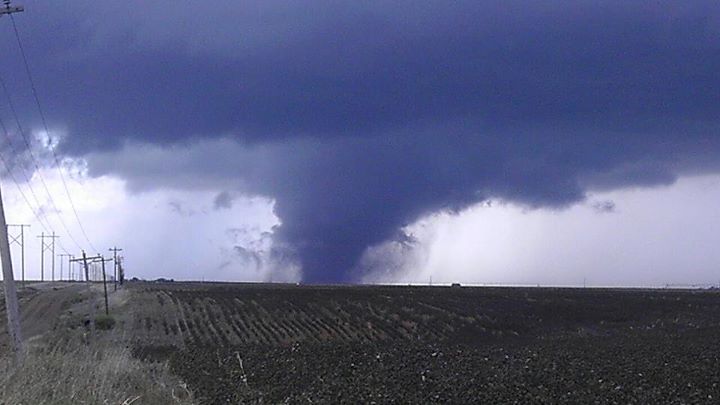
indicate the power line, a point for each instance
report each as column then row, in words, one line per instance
column 7, row 165
column 36, row 214
column 22, row 193
column 47, row 131
column 35, row 161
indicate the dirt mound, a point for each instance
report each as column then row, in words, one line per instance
column 41, row 308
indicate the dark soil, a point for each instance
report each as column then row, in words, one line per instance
column 468, row 345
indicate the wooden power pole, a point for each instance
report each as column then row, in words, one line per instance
column 102, row 260
column 115, row 251
column 62, row 255
column 11, row 302
column 88, row 283
column 121, row 271
column 87, row 261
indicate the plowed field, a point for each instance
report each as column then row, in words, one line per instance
column 277, row 343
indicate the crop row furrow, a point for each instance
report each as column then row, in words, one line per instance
column 213, row 330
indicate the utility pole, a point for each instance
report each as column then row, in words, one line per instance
column 8, row 9
column 19, row 239
column 52, row 254
column 103, row 260
column 45, row 246
column 11, row 303
column 69, row 256
column 115, row 251
column 42, row 256
column 91, row 301
column 121, row 271
column 90, row 297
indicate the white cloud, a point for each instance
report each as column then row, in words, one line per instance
column 164, row 232
column 654, row 237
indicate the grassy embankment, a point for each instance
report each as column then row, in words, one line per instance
column 66, row 366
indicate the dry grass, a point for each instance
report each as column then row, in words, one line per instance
column 88, row 375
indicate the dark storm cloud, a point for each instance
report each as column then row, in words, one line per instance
column 357, row 69
column 358, row 118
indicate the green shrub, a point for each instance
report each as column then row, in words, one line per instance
column 104, row 322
